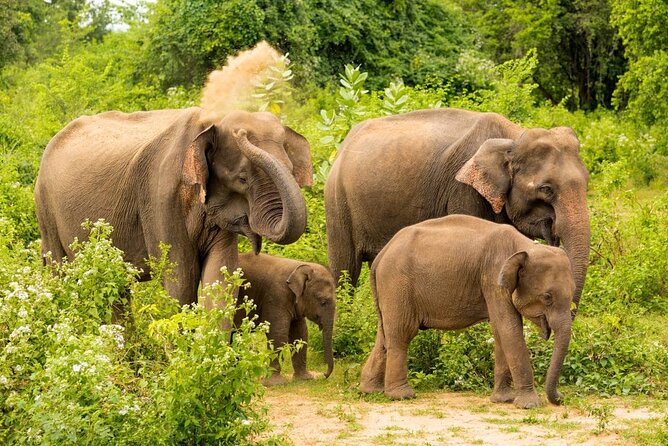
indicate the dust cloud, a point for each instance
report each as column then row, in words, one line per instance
column 231, row 87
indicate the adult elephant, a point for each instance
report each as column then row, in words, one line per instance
column 396, row 171
column 174, row 176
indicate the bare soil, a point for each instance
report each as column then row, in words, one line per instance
column 309, row 415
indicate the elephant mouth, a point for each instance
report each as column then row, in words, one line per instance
column 240, row 225
column 547, row 232
column 541, row 323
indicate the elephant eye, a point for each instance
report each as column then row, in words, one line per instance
column 546, row 189
column 547, row 297
column 323, row 302
column 242, row 179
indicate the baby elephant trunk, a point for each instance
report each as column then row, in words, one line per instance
column 562, row 338
column 327, row 346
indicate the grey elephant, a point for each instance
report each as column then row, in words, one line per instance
column 452, row 272
column 286, row 292
column 396, row 171
column 173, row 176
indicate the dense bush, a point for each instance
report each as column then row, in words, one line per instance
column 68, row 374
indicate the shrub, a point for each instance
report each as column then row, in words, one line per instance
column 69, row 375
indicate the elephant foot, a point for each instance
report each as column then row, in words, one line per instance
column 402, row 392
column 527, row 400
column 304, row 376
column 275, row 379
column 506, row 395
column 371, row 385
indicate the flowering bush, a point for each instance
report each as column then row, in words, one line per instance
column 70, row 375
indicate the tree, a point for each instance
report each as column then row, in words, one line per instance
column 643, row 26
column 580, row 53
column 389, row 39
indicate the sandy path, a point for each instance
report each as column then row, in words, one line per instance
column 439, row 418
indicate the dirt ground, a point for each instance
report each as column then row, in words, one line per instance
column 316, row 415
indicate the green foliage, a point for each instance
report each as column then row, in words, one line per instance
column 511, row 90
column 272, row 91
column 186, row 40
column 68, row 375
column 629, row 265
column 356, row 320
column 643, row 28
column 411, row 40
column 396, row 96
column 580, row 53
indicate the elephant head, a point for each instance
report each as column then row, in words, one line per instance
column 540, row 283
column 540, row 182
column 246, row 171
column 315, row 299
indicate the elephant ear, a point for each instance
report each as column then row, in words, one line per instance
column 195, row 171
column 487, row 171
column 299, row 152
column 509, row 275
column 298, row 278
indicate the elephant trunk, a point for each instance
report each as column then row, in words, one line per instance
column 327, row 346
column 562, row 338
column 278, row 210
column 572, row 226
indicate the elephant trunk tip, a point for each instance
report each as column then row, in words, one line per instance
column 555, row 397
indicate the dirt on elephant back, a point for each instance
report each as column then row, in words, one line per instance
column 306, row 417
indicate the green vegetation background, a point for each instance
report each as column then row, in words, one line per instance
column 67, row 375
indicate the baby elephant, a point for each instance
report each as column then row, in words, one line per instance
column 453, row 272
column 286, row 291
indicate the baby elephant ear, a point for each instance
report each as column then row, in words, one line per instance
column 195, row 171
column 487, row 171
column 299, row 152
column 297, row 279
column 509, row 275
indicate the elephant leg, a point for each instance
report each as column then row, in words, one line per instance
column 372, row 378
column 187, row 275
column 508, row 324
column 279, row 328
column 503, row 391
column 223, row 253
column 299, row 331
column 342, row 253
column 397, row 340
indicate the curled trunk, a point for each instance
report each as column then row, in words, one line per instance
column 278, row 209
column 562, row 338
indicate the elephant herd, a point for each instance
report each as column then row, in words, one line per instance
column 177, row 177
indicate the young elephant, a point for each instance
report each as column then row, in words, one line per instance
column 286, row 291
column 453, row 272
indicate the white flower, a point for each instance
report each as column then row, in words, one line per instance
column 3, row 380
column 76, row 367
column 123, row 411
column 37, row 397
column 23, row 313
column 102, row 358
column 22, row 295
column 18, row 331
column 18, row 368
column 246, row 422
